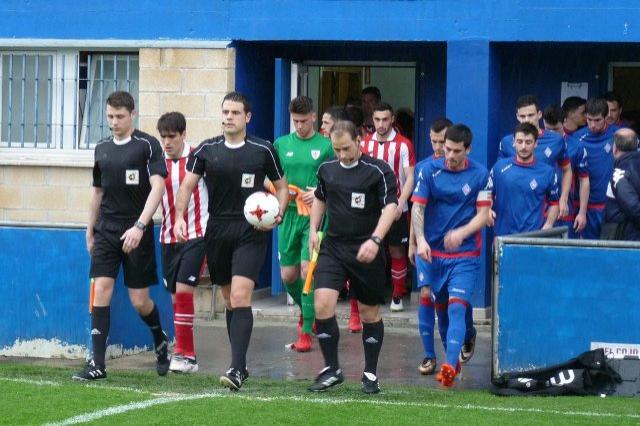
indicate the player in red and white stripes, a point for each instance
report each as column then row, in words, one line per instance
column 182, row 263
column 388, row 145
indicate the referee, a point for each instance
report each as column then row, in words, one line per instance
column 353, row 190
column 234, row 166
column 128, row 183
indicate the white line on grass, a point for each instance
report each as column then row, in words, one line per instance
column 30, row 381
column 171, row 399
column 86, row 384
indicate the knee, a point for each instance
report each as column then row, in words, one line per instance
column 323, row 307
column 289, row 276
column 140, row 303
column 239, row 298
column 370, row 314
column 425, row 291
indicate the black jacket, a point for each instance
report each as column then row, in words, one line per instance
column 623, row 199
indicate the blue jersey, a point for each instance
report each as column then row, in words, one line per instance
column 451, row 199
column 423, row 165
column 520, row 191
column 577, row 156
column 551, row 149
column 596, row 151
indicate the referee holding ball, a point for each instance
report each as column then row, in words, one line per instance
column 359, row 195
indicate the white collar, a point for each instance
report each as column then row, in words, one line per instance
column 392, row 136
column 121, row 141
column 350, row 166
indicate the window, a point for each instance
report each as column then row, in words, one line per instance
column 55, row 101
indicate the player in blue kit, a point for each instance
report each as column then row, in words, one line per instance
column 452, row 202
column 551, row 147
column 521, row 185
column 594, row 147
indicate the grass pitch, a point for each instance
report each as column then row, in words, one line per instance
column 45, row 395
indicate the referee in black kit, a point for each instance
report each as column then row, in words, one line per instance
column 128, row 183
column 359, row 195
column 234, row 166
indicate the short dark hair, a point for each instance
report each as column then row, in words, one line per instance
column 337, row 113
column 553, row 114
column 121, row 99
column 597, row 106
column 301, row 105
column 440, row 124
column 383, row 106
column 238, row 97
column 612, row 97
column 355, row 115
column 372, row 90
column 626, row 140
column 526, row 128
column 459, row 133
column 572, row 103
column 526, row 100
column 172, row 122
column 344, row 127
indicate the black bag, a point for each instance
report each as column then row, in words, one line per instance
column 587, row 374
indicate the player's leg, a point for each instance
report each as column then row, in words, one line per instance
column 289, row 249
column 441, row 308
column 329, row 278
column 469, row 346
column 426, row 315
column 398, row 239
column 105, row 263
column 139, row 268
column 369, row 287
column 595, row 216
column 355, row 323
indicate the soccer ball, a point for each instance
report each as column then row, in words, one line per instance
column 261, row 209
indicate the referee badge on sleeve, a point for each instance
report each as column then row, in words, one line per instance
column 357, row 200
column 132, row 177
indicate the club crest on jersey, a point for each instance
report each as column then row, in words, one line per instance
column 533, row 184
column 315, row 154
column 247, row 180
column 466, row 189
column 548, row 152
column 132, row 177
column 357, row 200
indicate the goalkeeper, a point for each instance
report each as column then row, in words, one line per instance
column 300, row 153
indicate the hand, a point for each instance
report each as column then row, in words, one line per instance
column 367, row 252
column 308, row 197
column 89, row 239
column 314, row 242
column 547, row 226
column 452, row 240
column 278, row 221
column 580, row 223
column 180, row 230
column 413, row 248
column 131, row 237
column 492, row 218
column 563, row 207
column 423, row 250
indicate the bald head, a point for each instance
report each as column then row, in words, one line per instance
column 626, row 140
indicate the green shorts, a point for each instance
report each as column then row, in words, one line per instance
column 293, row 238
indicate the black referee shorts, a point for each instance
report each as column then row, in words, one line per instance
column 182, row 263
column 139, row 266
column 398, row 234
column 337, row 262
column 234, row 248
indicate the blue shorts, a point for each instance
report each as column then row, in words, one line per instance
column 594, row 224
column 457, row 276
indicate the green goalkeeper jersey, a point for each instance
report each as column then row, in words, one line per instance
column 300, row 158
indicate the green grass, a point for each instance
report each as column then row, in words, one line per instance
column 37, row 395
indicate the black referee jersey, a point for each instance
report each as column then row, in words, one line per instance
column 232, row 173
column 123, row 171
column 355, row 196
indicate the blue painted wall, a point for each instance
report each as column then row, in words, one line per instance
column 582, row 297
column 45, row 290
column 378, row 20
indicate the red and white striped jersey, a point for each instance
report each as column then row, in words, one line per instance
column 196, row 215
column 397, row 152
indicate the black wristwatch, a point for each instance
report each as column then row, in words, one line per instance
column 376, row 240
column 141, row 226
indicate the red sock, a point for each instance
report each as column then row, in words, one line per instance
column 183, row 321
column 398, row 275
column 354, row 306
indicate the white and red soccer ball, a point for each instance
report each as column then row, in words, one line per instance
column 261, row 209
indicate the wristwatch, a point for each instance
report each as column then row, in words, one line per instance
column 141, row 226
column 376, row 240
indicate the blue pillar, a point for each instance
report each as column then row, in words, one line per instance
column 472, row 99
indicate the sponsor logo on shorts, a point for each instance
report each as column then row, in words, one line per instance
column 248, row 180
column 457, row 290
column 357, row 200
column 421, row 276
column 466, row 189
column 404, row 240
column 132, row 177
column 315, row 154
column 191, row 279
column 289, row 154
